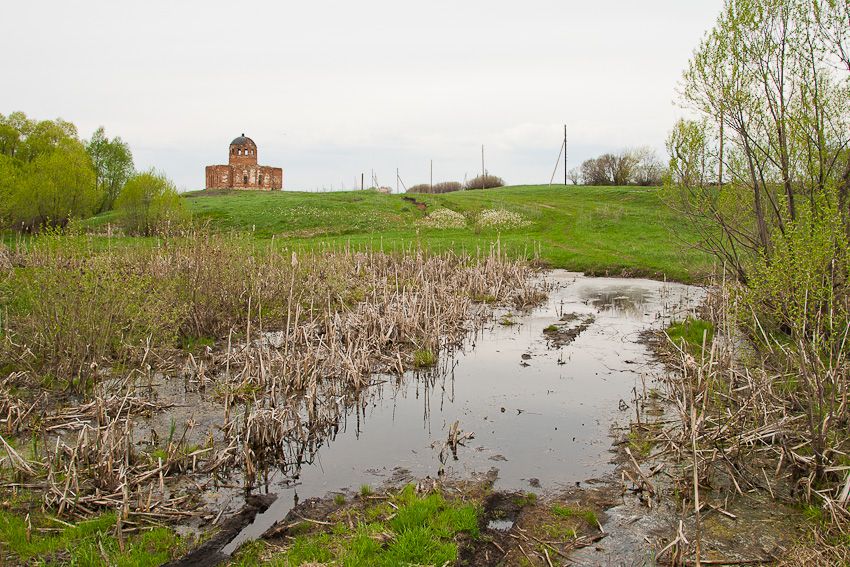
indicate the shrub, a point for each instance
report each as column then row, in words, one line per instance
column 149, row 204
column 437, row 188
column 75, row 310
column 797, row 303
column 447, row 187
column 485, row 181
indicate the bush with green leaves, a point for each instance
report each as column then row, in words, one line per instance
column 149, row 204
column 802, row 288
column 796, row 308
column 46, row 175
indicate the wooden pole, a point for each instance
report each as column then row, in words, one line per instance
column 565, row 155
column 483, row 171
column 557, row 161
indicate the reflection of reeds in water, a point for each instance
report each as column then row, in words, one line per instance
column 296, row 385
column 302, row 340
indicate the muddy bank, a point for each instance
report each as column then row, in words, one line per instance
column 511, row 527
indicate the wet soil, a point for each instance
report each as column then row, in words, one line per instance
column 515, row 527
column 210, row 552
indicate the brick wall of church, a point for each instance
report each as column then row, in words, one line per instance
column 244, row 177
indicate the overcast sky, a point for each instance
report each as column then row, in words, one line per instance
column 328, row 90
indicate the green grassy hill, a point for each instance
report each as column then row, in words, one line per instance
column 600, row 230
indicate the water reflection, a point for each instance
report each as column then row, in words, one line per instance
column 541, row 415
column 630, row 301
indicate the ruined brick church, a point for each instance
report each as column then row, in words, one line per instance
column 242, row 171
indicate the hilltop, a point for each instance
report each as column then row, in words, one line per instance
column 599, row 230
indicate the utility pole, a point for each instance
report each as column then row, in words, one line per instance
column 432, row 176
column 396, row 180
column 483, row 171
column 362, row 186
column 565, row 155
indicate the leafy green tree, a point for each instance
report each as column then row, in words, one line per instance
column 56, row 187
column 770, row 92
column 10, row 136
column 149, row 204
column 113, row 165
column 47, row 176
column 8, row 181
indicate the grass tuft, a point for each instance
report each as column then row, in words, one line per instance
column 589, row 516
column 424, row 358
column 690, row 332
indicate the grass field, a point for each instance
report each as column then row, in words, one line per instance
column 599, row 230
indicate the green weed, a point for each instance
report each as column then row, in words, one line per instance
column 589, row 516
column 420, row 530
column 690, row 332
column 424, row 358
column 86, row 543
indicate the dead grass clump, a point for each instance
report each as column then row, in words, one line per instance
column 767, row 420
column 5, row 258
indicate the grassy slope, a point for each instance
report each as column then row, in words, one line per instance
column 600, row 230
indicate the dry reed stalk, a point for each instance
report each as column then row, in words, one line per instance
column 740, row 416
column 317, row 331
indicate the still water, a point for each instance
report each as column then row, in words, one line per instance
column 541, row 410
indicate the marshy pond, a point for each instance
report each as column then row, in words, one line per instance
column 532, row 396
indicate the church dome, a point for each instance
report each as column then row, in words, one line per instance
column 242, row 140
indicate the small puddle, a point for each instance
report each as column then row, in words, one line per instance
column 541, row 414
column 501, row 525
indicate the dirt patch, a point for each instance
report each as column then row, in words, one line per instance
column 418, row 204
column 516, row 528
column 209, row 553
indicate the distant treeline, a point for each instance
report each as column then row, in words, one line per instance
column 639, row 166
column 49, row 177
column 486, row 181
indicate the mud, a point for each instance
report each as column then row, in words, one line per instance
column 210, row 552
column 419, row 205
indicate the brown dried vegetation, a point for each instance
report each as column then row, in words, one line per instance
column 282, row 343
